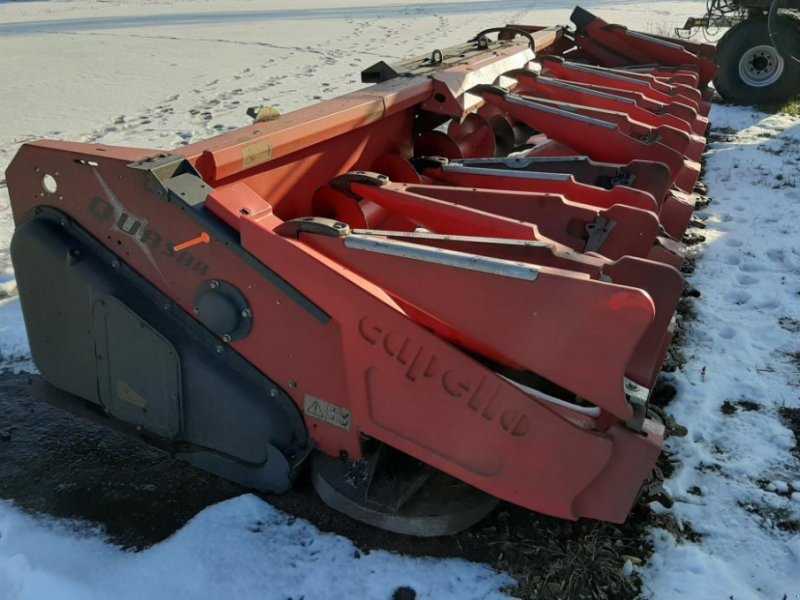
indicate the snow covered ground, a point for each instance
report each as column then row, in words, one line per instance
column 242, row 548
column 164, row 73
column 738, row 481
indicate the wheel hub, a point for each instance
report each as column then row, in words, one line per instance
column 392, row 491
column 761, row 66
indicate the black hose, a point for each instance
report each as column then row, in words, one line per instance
column 773, row 32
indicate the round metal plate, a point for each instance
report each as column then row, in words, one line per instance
column 223, row 309
column 412, row 498
column 761, row 66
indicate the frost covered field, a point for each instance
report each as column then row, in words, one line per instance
column 160, row 74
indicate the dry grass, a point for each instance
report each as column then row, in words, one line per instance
column 586, row 569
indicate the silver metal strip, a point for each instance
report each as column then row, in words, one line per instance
column 512, row 99
column 589, row 92
column 439, row 256
column 537, row 175
column 468, row 239
column 643, row 36
column 611, row 74
column 515, row 162
column 575, row 108
column 639, row 68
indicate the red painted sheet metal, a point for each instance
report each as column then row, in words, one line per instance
column 375, row 322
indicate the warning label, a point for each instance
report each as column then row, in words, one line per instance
column 325, row 411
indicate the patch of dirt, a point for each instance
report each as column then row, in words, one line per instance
column 748, row 405
column 664, row 392
column 56, row 463
column 730, row 408
column 52, row 462
column 767, row 485
column 709, row 468
column 789, row 324
column 791, row 418
column 789, row 525
column 681, row 530
column 773, row 518
column 702, row 200
column 690, row 238
column 689, row 265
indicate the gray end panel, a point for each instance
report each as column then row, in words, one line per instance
column 138, row 370
column 264, row 477
column 100, row 332
column 57, row 317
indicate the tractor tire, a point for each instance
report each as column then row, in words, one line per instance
column 751, row 70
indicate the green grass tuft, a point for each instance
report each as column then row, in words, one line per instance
column 791, row 108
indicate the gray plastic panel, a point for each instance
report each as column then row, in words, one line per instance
column 138, row 370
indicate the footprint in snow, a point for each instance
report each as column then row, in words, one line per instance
column 751, row 266
column 748, row 280
column 738, row 297
column 768, row 304
column 777, row 256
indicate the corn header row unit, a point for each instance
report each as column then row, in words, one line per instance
column 453, row 287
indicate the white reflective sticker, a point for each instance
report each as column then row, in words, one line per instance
column 325, row 411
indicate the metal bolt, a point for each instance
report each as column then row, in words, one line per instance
column 115, row 264
column 273, row 393
column 292, row 383
column 246, row 313
column 213, row 284
column 226, row 338
column 219, row 349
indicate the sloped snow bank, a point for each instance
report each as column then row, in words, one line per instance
column 242, row 548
